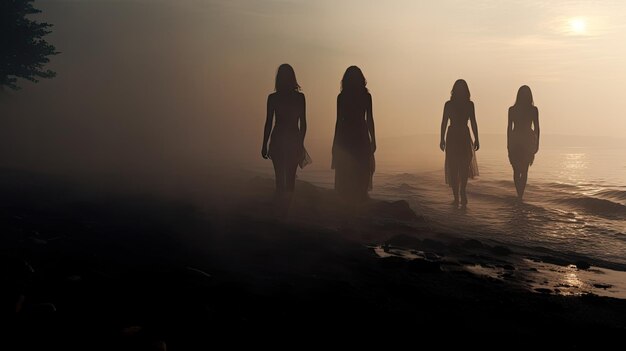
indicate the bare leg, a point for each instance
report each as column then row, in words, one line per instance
column 290, row 176
column 287, row 173
column 454, row 182
column 516, row 180
column 523, row 178
column 279, row 171
column 463, row 174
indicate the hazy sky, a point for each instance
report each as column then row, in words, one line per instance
column 171, row 84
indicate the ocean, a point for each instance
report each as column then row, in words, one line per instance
column 574, row 205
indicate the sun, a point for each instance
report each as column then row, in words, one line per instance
column 578, row 25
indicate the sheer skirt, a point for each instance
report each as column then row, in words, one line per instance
column 460, row 152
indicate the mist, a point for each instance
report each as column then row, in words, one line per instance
column 138, row 211
column 164, row 94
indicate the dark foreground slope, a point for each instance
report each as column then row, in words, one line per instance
column 115, row 272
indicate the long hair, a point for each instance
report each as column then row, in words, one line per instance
column 353, row 81
column 524, row 96
column 460, row 91
column 286, row 79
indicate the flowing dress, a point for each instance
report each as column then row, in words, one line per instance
column 353, row 160
column 459, row 146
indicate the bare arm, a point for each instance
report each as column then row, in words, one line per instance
column 369, row 116
column 303, row 120
column 269, row 119
column 474, row 128
column 536, row 123
column 444, row 125
column 509, row 129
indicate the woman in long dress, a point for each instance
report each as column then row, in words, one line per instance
column 460, row 161
column 354, row 143
column 286, row 146
column 522, row 137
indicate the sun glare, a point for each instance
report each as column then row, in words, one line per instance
column 578, row 26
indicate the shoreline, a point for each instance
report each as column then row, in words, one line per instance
column 139, row 270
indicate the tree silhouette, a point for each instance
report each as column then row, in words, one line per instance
column 23, row 51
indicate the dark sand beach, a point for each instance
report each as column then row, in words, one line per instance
column 142, row 142
column 91, row 271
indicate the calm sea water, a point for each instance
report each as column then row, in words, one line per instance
column 575, row 201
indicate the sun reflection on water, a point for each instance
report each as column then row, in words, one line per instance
column 573, row 167
column 570, row 278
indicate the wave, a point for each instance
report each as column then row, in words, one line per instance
column 405, row 177
column 547, row 185
column 401, row 188
column 596, row 206
column 619, row 195
column 500, row 182
column 607, row 203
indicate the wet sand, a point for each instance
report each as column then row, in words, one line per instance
column 94, row 271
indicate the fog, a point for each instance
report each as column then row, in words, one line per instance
column 167, row 93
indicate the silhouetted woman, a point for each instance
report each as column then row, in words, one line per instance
column 460, row 161
column 287, row 103
column 522, row 138
column 355, row 142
